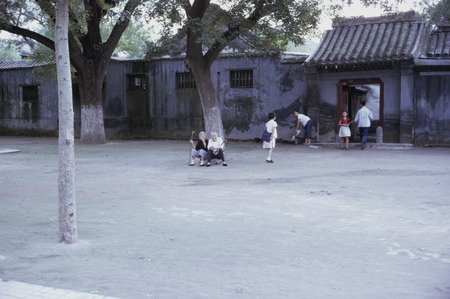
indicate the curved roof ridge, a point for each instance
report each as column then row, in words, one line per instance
column 386, row 18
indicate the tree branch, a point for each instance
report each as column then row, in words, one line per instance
column 194, row 13
column 198, row 8
column 119, row 28
column 233, row 31
column 30, row 34
column 76, row 55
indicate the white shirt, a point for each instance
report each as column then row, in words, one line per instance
column 216, row 144
column 303, row 119
column 363, row 117
column 271, row 127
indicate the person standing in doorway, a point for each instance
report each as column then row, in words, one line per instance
column 271, row 127
column 303, row 120
column 363, row 118
column 344, row 129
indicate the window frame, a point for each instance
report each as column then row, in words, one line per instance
column 184, row 81
column 242, row 78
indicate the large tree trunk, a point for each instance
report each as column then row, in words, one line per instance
column 210, row 105
column 92, row 124
column 66, row 174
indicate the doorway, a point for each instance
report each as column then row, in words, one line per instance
column 352, row 92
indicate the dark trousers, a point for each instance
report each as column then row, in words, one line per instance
column 217, row 154
column 308, row 129
column 363, row 132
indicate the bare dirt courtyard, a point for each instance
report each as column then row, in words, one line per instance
column 318, row 223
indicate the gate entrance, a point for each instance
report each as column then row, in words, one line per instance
column 352, row 92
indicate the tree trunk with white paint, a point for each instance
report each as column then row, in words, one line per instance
column 92, row 124
column 66, row 175
column 210, row 105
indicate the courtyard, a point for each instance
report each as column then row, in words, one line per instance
column 318, row 223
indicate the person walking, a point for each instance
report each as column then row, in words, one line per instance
column 344, row 129
column 307, row 123
column 363, row 118
column 271, row 127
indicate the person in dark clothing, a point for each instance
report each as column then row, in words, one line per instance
column 200, row 149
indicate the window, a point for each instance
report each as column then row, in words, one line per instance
column 137, row 82
column 185, row 81
column 30, row 102
column 241, row 79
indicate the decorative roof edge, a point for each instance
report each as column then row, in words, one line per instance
column 286, row 57
column 409, row 16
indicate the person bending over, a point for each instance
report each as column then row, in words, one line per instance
column 303, row 120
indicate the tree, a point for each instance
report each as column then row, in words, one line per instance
column 209, row 29
column 66, row 177
column 89, row 53
column 436, row 12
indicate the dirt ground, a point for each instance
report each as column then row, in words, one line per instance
column 318, row 223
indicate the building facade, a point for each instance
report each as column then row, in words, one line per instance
column 394, row 62
column 28, row 98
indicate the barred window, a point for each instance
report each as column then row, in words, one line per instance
column 241, row 79
column 185, row 81
column 137, row 82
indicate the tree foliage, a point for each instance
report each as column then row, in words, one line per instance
column 135, row 39
column 435, row 12
column 265, row 25
column 8, row 51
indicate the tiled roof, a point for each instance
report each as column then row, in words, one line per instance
column 438, row 45
column 370, row 41
column 20, row 64
column 286, row 57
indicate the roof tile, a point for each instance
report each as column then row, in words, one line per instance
column 369, row 40
column 20, row 64
column 438, row 45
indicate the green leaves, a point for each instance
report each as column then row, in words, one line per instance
column 263, row 25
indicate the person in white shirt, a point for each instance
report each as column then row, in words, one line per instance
column 303, row 120
column 363, row 118
column 271, row 127
column 215, row 150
